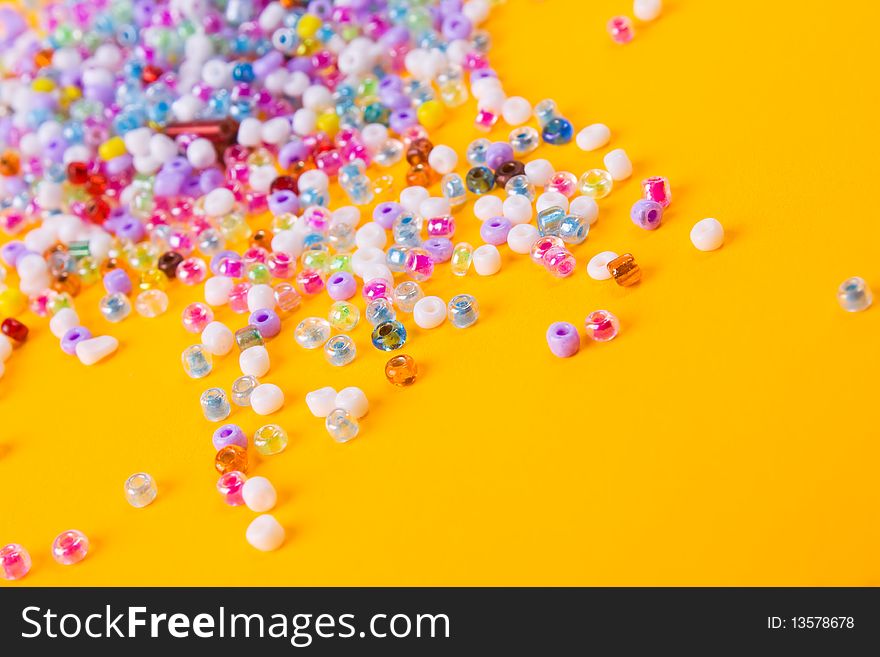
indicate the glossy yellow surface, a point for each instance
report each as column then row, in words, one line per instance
column 727, row 436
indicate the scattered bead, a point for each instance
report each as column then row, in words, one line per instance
column 593, row 137
column 596, row 183
column 312, row 333
column 657, row 189
column 72, row 338
column 140, row 490
column 563, row 339
column 646, row 214
column 340, row 350
column 197, row 361
column 15, row 562
column 230, row 486
column 401, row 370
column 151, row 303
column 231, row 458
column 621, row 30
column 242, row 388
column 624, row 270
column 266, row 399
column 265, row 533
column 341, row 425
column 389, row 336
column 647, row 10
column 487, row 260
column 254, row 362
column 93, row 350
column 259, row 494
column 597, row 267
column 854, row 295
column 463, row 310
column 229, row 434
column 270, row 439
column 707, row 235
column 601, row 326
column 70, row 547
column 618, row 164
column 215, row 405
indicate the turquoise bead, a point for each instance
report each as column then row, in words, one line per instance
column 389, row 336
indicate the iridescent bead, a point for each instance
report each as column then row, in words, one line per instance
column 258, row 272
column 480, row 180
column 646, row 214
column 197, row 361
column 70, row 547
column 601, row 326
column 454, row 190
column 389, row 336
column 624, row 270
column 309, row 282
column 376, row 288
column 196, row 316
column 443, row 226
column 462, row 256
column 523, row 140
column 854, row 295
column 557, row 131
column 248, row 336
column 407, row 230
column 341, row 236
column 485, row 119
column 287, row 298
column 559, row 262
column 545, row 111
column 230, row 485
column 550, row 221
column 270, row 439
column 463, row 310
column 542, row 245
column 595, row 183
column 215, row 405
column 341, row 425
column 140, row 490
column 476, row 152
column 563, row 339
column 115, row 307
column 401, row 370
column 563, row 182
column 379, row 311
column 621, row 29
column 419, row 264
column 657, row 189
column 242, row 388
column 573, row 229
column 15, row 562
column 340, row 350
column 520, row 186
column 343, row 316
column 312, row 332
column 407, row 294
column 231, row 458
column 238, row 297
column 192, row 271
column 395, row 258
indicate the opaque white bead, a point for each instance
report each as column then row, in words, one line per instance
column 434, row 206
column 321, row 401
column 517, row 209
column 266, row 398
column 551, row 200
column 647, row 10
column 487, row 260
column 347, row 214
column 261, row 178
column 443, row 159
column 93, row 350
column 137, row 141
column 374, row 135
column 31, row 265
column 586, row 208
column 373, row 271
column 218, row 338
column 370, row 235
column 488, row 206
column 411, row 197
column 201, row 153
column 217, row 290
column 304, row 121
column 259, row 494
column 366, row 256
column 707, row 234
column 521, row 237
column 290, row 242
column 261, row 297
column 429, row 312
column 516, row 110
column 219, row 202
column 597, row 267
column 593, row 137
column 64, row 320
column 162, row 148
column 5, row 348
column 314, row 179
column 265, row 533
column 275, row 131
column 617, row 163
column 254, row 361
column 353, row 400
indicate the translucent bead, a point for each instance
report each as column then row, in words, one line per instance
column 389, row 336
column 197, row 361
column 520, row 186
column 287, row 298
column 196, row 316
column 407, row 230
column 270, row 439
column 248, row 336
column 550, row 221
column 601, row 326
column 341, row 425
column 115, row 307
column 476, row 152
column 70, row 547
column 480, row 180
column 573, row 229
column 454, row 190
column 854, row 295
column 621, row 29
column 215, row 405
column 419, row 264
column 341, row 236
column 379, row 311
column 407, row 294
column 230, row 486
column 340, row 350
column 563, row 182
column 486, row 118
column 657, row 189
column 462, row 255
column 242, row 388
column 401, row 370
column 312, row 332
column 231, row 458
column 140, row 490
column 557, row 131
column 395, row 258
column 151, row 303
column 343, row 316
column 523, row 140
column 559, row 262
column 595, row 183
column 542, row 246
column 15, row 562
column 624, row 270
column 545, row 111
column 463, row 310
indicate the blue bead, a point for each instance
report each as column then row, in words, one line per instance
column 379, row 311
column 463, row 310
column 550, row 221
column 395, row 258
column 243, row 72
column 454, row 189
column 557, row 131
column 389, row 336
column 573, row 229
column 407, row 230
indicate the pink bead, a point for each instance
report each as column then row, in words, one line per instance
column 485, row 119
column 377, row 288
column 317, row 219
column 255, row 254
column 441, row 226
column 559, row 261
column 601, row 326
column 192, row 271
column 657, row 189
column 196, row 316
column 181, row 242
column 281, row 265
column 329, row 161
column 15, row 562
column 621, row 29
column 419, row 264
column 238, row 297
column 544, row 244
column 70, row 547
column 231, row 267
column 309, row 281
column 230, row 486
column 563, row 182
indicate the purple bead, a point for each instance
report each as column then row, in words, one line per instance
column 495, row 230
column 439, row 248
column 54, row 150
column 268, row 63
column 498, row 153
column 341, row 286
column 390, row 83
column 229, row 434
column 179, row 165
column 396, row 36
column 119, row 165
column 72, row 336
column 211, row 179
column 282, row 202
column 402, row 119
column 456, row 26
column 167, row 183
column 482, row 74
column 384, row 214
column 117, row 280
column 218, row 258
column 321, row 8
column 192, row 186
column 646, row 214
column 448, row 7
column 292, row 151
column 266, row 321
column 12, row 251
column 131, row 229
column 563, row 339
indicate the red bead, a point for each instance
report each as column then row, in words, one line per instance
column 97, row 210
column 96, row 184
column 284, row 183
column 150, row 73
column 78, row 172
column 14, row 330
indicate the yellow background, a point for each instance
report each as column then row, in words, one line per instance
column 726, row 437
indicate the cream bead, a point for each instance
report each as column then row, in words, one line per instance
column 314, row 179
column 411, row 197
column 201, row 153
column 517, row 209
column 290, row 242
column 492, row 100
column 434, row 206
column 347, row 214
column 477, row 11
column 276, row 81
column 372, row 271
column 486, row 207
column 137, row 141
column 618, row 164
column 429, row 312
column 144, row 164
column 586, row 208
column 374, row 135
column 254, row 361
column 216, row 73
column 516, row 110
column 219, row 202
column 353, row 400
column 371, row 235
column 218, row 338
column 551, row 200
column 317, row 97
column 304, row 121
column 366, row 256
column 162, row 148
column 321, row 401
column 93, row 350
column 265, row 533
column 707, row 234
column 597, row 267
column 271, row 17
column 487, row 260
column 62, row 321
column 266, row 398
column 521, row 237
column 249, row 132
column 443, row 159
column 259, row 494
column 38, row 240
column 5, row 348
column 261, row 297
column 297, row 83
column 275, row 131
column 593, row 137
column 261, row 178
column 31, row 265
column 217, row 290
column 186, row 107
column 539, row 172
column 647, row 10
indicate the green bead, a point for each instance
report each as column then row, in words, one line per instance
column 248, row 336
column 344, row 316
column 270, row 439
column 258, row 273
column 339, row 263
column 315, row 259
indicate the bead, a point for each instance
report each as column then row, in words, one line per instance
column 287, row 298
column 140, row 490
column 542, row 245
column 593, row 137
column 265, row 533
column 64, row 320
column 215, row 405
column 550, row 220
column 429, row 312
column 657, row 189
column 854, row 295
column 309, row 282
column 523, row 140
column 521, row 238
column 353, row 400
column 231, row 458
column 487, row 260
column 557, row 131
column 266, row 399
column 341, row 286
column 539, row 172
column 621, row 29
column 340, row 350
column 443, row 159
column 563, row 183
column 72, row 338
column 15, row 562
column 516, row 110
column 191, row 271
column 270, row 439
column 320, row 402
column 96, row 349
column 573, row 229
column 707, row 234
column 419, row 264
column 168, row 263
column 254, row 361
column 487, row 207
column 462, row 255
column 229, row 434
column 217, row 338
column 312, row 332
column 196, row 316
column 5, row 348
column 517, row 209
column 266, row 321
column 401, row 371
column 70, row 547
column 260, row 297
column 601, row 326
column 595, row 183
column 507, row 171
column 480, row 180
column 646, row 214
column 115, row 307
column 438, row 248
column 341, row 425
column 248, row 336
column 230, row 486
column 563, row 339
column 117, row 280
column 406, row 295
column 625, row 270
column 463, row 310
column 618, row 164
column 258, row 493
column 597, row 267
column 389, row 336
column 443, row 226
column 12, row 301
column 586, row 208
column 647, row 10
column 559, row 262
column 242, row 388
column 379, row 310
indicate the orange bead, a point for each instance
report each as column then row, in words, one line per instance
column 418, row 151
column 43, row 57
column 625, row 270
column 10, row 164
column 231, row 458
column 401, row 370
column 262, row 238
column 419, row 175
column 67, row 282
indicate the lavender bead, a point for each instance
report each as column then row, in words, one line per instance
column 117, row 280
column 131, row 229
column 219, row 258
column 12, row 251
column 482, row 74
column 402, row 119
column 179, row 165
column 498, row 153
column 448, row 7
column 72, row 336
column 563, row 339
column 167, row 183
column 119, row 165
column 439, row 248
column 396, row 36
column 54, row 150
column 341, row 286
column 646, row 214
column 282, row 202
column 268, row 63
column 192, row 186
column 321, row 8
column 211, row 179
column 384, row 214
column 229, row 434
column 390, row 83
column 495, row 230
column 292, row 151
column 266, row 321
column 456, row 26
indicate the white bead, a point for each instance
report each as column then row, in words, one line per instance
column 261, row 178
column 198, row 47
column 186, row 107
column 276, row 131
column 33, row 286
column 314, row 179
column 539, row 172
column 201, row 153
column 70, row 228
column 521, row 237
column 162, row 148
column 429, row 312
column 443, row 159
column 371, row 235
column 707, row 234
column 219, row 202
column 276, row 81
column 492, row 100
column 411, row 197
column 321, row 401
column 266, row 398
column 31, row 265
column 485, row 86
column 347, row 214
column 77, row 153
column 487, row 206
column 477, row 11
column 254, row 361
column 434, row 206
column 586, row 208
column 38, row 240
column 617, row 163
column 64, row 320
column 516, row 110
column 647, row 10
column 366, row 256
column 487, row 260
column 593, row 137
column 137, row 141
column 271, row 17
column 317, row 98
column 218, row 338
column 99, row 245
column 517, row 209
column 265, row 533
column 5, row 348
column 216, row 73
column 304, row 121
column 353, row 400
column 259, row 494
column 217, row 290
column 261, row 297
column 597, row 267
column 551, row 200
column 289, row 242
column 374, row 135
column 250, row 132
column 92, row 350
column 297, row 83
column 145, row 164
column 372, row 271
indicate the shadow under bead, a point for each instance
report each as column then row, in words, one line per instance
column 624, row 270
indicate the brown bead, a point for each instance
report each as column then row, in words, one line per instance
column 67, row 282
column 14, row 330
column 10, row 164
column 168, row 262
column 419, row 175
column 284, row 183
column 507, row 170
column 231, row 457
column 625, row 270
column 418, row 151
column 401, row 370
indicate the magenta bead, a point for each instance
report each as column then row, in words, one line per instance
column 341, row 286
column 377, row 288
column 621, row 29
column 192, row 271
column 267, row 322
column 70, row 547
column 419, row 264
column 309, row 281
column 72, row 337
column 230, row 486
column 15, row 562
column 238, row 297
column 563, row 339
column 601, row 326
column 281, row 265
column 441, row 226
column 231, row 267
column 229, row 434
column 196, row 316
column 657, row 189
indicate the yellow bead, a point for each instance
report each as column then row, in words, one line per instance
column 431, row 113
column 112, row 148
column 328, row 123
column 307, row 26
column 153, row 279
column 12, row 302
column 43, row 85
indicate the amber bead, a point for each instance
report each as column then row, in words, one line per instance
column 10, row 164
column 625, row 270
column 284, row 184
column 78, row 173
column 67, row 282
column 419, row 175
column 262, row 238
column 507, row 170
column 401, row 370
column 14, row 330
column 110, row 264
column 43, row 57
column 231, row 458
column 297, row 168
column 168, row 262
column 418, row 151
